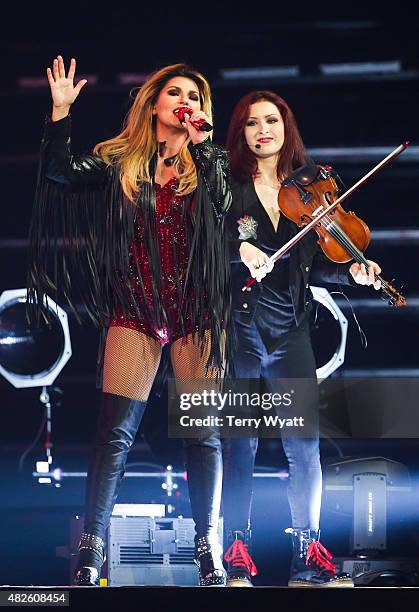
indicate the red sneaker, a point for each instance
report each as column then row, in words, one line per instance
column 312, row 564
column 240, row 565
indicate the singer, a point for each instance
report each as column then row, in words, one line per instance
column 142, row 219
column 272, row 323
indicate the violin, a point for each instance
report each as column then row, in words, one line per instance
column 311, row 196
column 343, row 236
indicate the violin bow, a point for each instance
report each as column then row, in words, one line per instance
column 288, row 245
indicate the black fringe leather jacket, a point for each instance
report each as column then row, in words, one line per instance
column 82, row 228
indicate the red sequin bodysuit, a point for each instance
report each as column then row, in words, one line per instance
column 173, row 248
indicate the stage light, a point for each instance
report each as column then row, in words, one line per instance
column 40, row 82
column 42, row 467
column 363, row 488
column 31, row 356
column 132, row 78
column 361, row 68
column 259, row 72
column 329, row 338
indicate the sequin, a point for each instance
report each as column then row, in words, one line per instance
column 173, row 247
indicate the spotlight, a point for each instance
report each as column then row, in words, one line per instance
column 362, row 487
column 329, row 338
column 31, row 357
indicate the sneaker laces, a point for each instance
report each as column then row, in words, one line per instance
column 319, row 556
column 239, row 556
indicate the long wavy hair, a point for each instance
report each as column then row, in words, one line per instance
column 133, row 149
column 243, row 162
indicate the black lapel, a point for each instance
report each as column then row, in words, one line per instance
column 248, row 196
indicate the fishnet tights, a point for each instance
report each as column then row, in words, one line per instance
column 132, row 360
column 131, row 363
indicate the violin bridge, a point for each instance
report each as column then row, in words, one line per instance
column 318, row 210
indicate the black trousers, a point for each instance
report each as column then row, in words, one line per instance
column 292, row 358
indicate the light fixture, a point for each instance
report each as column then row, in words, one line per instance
column 259, row 72
column 31, row 356
column 323, row 297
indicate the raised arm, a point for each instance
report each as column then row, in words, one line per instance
column 59, row 164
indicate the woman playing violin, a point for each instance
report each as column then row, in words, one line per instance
column 272, row 323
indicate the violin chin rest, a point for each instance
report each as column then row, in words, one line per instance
column 304, row 175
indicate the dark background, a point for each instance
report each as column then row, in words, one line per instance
column 362, row 111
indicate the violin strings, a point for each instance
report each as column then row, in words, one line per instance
column 347, row 243
column 343, row 239
column 340, row 235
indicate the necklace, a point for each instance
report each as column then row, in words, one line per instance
column 169, row 161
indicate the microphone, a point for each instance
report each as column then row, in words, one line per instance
column 200, row 124
column 258, row 146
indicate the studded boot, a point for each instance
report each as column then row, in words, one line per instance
column 91, row 558
column 119, row 420
column 208, row 557
column 312, row 564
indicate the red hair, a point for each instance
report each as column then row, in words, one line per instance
column 243, row 162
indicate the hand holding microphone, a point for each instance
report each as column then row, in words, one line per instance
column 200, row 124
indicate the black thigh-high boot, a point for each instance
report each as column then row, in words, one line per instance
column 205, row 473
column 119, row 420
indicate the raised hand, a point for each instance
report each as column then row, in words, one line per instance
column 63, row 91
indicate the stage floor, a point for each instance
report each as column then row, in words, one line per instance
column 216, row 599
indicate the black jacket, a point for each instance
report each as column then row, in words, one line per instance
column 308, row 265
column 79, row 204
